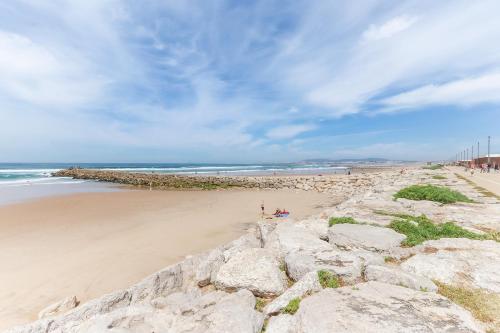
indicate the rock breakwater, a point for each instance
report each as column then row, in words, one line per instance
column 326, row 183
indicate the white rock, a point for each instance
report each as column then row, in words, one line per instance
column 254, row 269
column 380, row 307
column 458, row 261
column 207, row 268
column 345, row 264
column 235, row 313
column 319, row 227
column 284, row 323
column 57, row 308
column 288, row 238
column 360, row 236
column 396, row 276
column 308, row 284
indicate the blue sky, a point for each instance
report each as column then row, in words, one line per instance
column 246, row 81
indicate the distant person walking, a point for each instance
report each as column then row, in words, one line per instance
column 262, row 208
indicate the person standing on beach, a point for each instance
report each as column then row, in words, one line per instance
column 262, row 208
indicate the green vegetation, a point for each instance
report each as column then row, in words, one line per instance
column 432, row 193
column 328, row 280
column 292, row 306
column 433, row 167
column 260, row 303
column 484, row 306
column 282, row 267
column 390, row 260
column 438, row 177
column 400, row 215
column 478, row 188
column 341, row 220
column 419, row 229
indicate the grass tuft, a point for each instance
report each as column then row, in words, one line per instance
column 438, row 177
column 341, row 220
column 328, row 280
column 260, row 303
column 484, row 306
column 419, row 229
column 433, row 167
column 432, row 193
column 292, row 306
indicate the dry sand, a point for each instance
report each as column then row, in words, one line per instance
column 90, row 244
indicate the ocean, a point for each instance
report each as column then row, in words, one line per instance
column 23, row 174
column 25, row 181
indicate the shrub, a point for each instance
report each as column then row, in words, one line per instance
column 432, row 193
column 419, row 229
column 328, row 280
column 341, row 220
column 292, row 306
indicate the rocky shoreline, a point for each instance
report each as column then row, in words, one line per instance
column 316, row 276
column 323, row 183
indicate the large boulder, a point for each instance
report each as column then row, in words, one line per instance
column 367, row 237
column 216, row 312
column 344, row 264
column 288, row 238
column 284, row 323
column 395, row 275
column 380, row 307
column 57, row 308
column 254, row 269
column 458, row 261
column 308, row 284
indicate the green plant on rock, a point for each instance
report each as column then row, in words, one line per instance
column 433, row 167
column 419, row 229
column 432, row 193
column 341, row 220
column 328, row 280
column 260, row 303
column 439, row 177
column 292, row 306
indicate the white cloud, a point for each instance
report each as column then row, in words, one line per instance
column 482, row 89
column 389, row 28
column 340, row 71
column 31, row 73
column 288, row 132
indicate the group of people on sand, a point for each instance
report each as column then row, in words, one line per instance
column 278, row 213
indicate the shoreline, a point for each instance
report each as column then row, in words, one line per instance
column 93, row 243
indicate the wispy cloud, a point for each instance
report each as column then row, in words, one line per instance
column 464, row 92
column 288, row 132
column 198, row 80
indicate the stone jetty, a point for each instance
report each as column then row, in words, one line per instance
column 316, row 275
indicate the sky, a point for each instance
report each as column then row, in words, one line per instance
column 247, row 81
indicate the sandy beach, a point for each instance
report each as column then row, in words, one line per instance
column 93, row 243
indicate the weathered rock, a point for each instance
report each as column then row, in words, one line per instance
column 254, row 269
column 379, row 307
column 359, row 236
column 288, row 238
column 308, row 284
column 284, row 323
column 207, row 268
column 344, row 264
column 458, row 261
column 318, row 227
column 395, row 275
column 59, row 307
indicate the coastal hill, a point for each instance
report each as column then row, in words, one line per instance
column 385, row 259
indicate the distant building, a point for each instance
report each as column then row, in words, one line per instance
column 494, row 159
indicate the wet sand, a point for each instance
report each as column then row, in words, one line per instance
column 93, row 243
